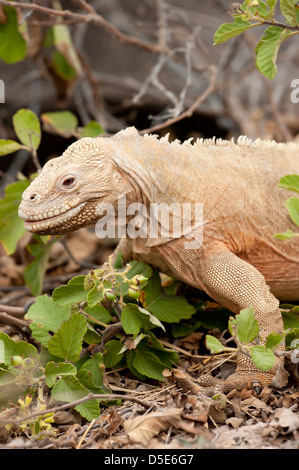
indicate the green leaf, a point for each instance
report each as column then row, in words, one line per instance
column 73, row 292
column 12, row 44
column 46, row 317
column 112, row 353
column 147, row 363
column 27, row 127
column 290, row 182
column 134, row 318
column 11, row 226
column 138, row 267
column 271, row 4
column 95, row 295
column 9, row 348
column 248, row 327
column 171, row 309
column 98, row 313
column 94, row 367
column 289, row 11
column 9, row 146
column 291, row 319
column 63, row 123
column 263, row 11
column 63, row 43
column 92, row 129
column 54, row 370
column 67, row 341
column 153, row 288
column 273, row 340
column 286, row 235
column 6, row 377
column 267, row 49
column 262, row 357
column 213, row 344
column 62, row 67
column 34, row 272
column 230, row 30
column 69, row 389
column 292, row 204
column 151, row 343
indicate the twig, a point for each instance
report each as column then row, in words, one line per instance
column 180, row 350
column 15, row 311
column 188, row 112
column 97, row 19
column 281, row 25
column 83, row 264
column 85, row 432
column 83, row 4
column 90, row 396
column 5, row 318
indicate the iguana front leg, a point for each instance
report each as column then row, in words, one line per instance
column 236, row 284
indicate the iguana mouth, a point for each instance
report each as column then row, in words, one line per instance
column 48, row 219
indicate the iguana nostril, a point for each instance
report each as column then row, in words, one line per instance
column 32, row 197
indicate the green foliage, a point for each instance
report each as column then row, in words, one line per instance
column 65, row 123
column 291, row 183
column 11, row 226
column 34, row 272
column 13, row 47
column 267, row 49
column 246, row 324
column 27, row 127
column 244, row 328
column 254, row 13
column 63, row 323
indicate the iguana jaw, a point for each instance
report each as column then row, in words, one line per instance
column 53, row 221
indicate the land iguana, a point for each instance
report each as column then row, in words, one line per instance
column 239, row 263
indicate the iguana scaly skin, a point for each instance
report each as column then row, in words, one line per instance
column 239, row 264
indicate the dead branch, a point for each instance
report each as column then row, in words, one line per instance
column 73, row 404
column 189, row 111
column 94, row 18
column 15, row 311
column 10, row 320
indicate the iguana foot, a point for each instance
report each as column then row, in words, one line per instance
column 255, row 380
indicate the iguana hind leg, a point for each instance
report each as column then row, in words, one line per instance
column 236, row 284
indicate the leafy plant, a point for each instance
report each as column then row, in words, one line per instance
column 244, row 329
column 127, row 302
column 252, row 13
column 290, row 182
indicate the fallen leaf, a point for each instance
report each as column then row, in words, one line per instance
column 114, row 421
column 253, row 402
column 143, row 428
column 234, row 422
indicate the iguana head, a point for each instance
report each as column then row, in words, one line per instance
column 66, row 194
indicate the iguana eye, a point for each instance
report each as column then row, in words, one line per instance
column 68, row 182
